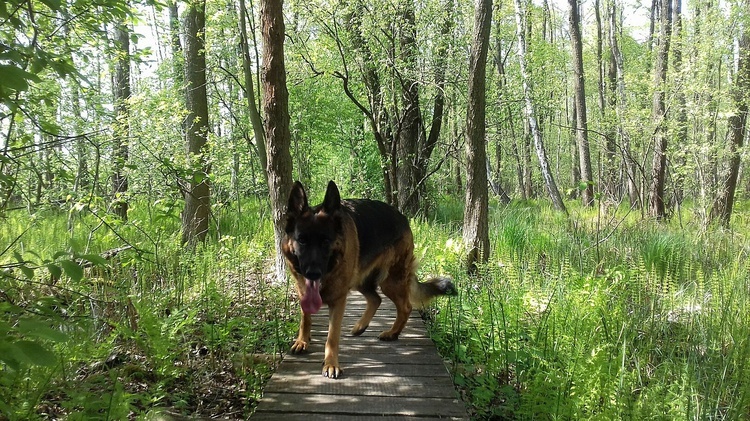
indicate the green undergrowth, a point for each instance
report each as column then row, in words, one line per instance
column 600, row 315
column 153, row 330
column 597, row 317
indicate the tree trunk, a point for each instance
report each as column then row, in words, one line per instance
column 121, row 127
column 617, row 80
column 410, row 127
column 197, row 210
column 575, row 153
column 174, row 42
column 653, row 17
column 476, row 228
column 607, row 104
column 582, row 136
column 252, row 109
column 681, row 132
column 737, row 130
column 276, row 110
column 530, row 112
column 375, row 112
column 504, row 106
column 657, row 207
column 438, row 109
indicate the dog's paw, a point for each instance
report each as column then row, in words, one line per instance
column 331, row 371
column 299, row 347
column 388, row 336
column 358, row 329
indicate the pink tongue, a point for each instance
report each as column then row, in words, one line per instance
column 311, row 301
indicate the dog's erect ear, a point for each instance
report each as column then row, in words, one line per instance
column 332, row 201
column 297, row 199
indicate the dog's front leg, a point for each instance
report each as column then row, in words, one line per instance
column 303, row 337
column 331, row 367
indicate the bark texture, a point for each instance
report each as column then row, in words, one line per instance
column 197, row 191
column 276, row 110
column 476, row 229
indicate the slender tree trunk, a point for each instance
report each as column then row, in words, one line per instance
column 528, row 170
column 737, row 131
column 195, row 216
column 606, row 107
column 174, row 42
column 476, row 228
column 438, row 109
column 582, row 136
column 375, row 112
column 276, row 110
column 530, row 112
column 252, row 109
column 653, row 17
column 503, row 104
column 610, row 151
column 681, row 132
column 575, row 153
column 411, row 126
column 657, row 206
column 618, row 87
column 122, row 121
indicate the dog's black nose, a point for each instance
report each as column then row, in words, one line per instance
column 313, row 274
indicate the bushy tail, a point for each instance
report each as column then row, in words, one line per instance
column 423, row 292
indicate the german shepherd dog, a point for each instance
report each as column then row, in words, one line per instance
column 343, row 245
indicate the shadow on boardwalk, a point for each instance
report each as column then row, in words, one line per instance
column 381, row 380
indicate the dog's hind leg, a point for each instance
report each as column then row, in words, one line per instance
column 369, row 290
column 397, row 289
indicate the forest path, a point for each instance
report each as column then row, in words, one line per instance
column 403, row 379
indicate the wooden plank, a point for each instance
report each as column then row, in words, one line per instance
column 292, row 416
column 412, row 356
column 403, row 386
column 314, row 404
column 384, row 380
column 355, row 368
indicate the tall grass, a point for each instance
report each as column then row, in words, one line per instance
column 149, row 330
column 602, row 315
column 651, row 323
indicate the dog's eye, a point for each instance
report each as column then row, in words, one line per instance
column 302, row 241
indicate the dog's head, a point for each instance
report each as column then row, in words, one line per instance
column 311, row 234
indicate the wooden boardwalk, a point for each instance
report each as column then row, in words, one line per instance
column 403, row 379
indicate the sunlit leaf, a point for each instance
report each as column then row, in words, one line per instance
column 16, row 78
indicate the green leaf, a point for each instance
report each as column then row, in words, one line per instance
column 16, row 78
column 27, row 271
column 50, row 127
column 59, row 254
column 7, row 355
column 72, row 269
column 95, row 259
column 41, row 330
column 33, row 353
column 53, row 4
column 54, row 270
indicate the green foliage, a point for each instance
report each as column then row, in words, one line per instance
column 86, row 334
column 649, row 330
